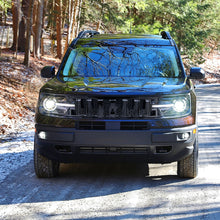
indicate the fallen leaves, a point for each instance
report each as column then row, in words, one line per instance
column 19, row 88
column 17, row 99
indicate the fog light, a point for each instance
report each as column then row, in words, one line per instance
column 42, row 135
column 183, row 136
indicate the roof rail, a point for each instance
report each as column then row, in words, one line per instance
column 87, row 34
column 166, row 35
column 84, row 34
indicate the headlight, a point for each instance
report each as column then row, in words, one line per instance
column 174, row 106
column 49, row 104
column 55, row 105
column 179, row 105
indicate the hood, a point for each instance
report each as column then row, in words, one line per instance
column 117, row 85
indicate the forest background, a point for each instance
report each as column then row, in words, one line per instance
column 37, row 33
column 195, row 25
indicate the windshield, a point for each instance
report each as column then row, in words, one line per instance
column 121, row 61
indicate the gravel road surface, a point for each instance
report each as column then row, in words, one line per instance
column 118, row 191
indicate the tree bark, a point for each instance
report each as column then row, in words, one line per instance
column 16, row 17
column 43, row 23
column 19, row 15
column 23, row 25
column 70, row 24
column 98, row 25
column 79, row 17
column 29, row 27
column 58, row 28
column 64, row 12
column 74, row 25
column 38, row 29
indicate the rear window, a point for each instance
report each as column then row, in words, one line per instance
column 121, row 61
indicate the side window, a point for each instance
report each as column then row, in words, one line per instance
column 68, row 68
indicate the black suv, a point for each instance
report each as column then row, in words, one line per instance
column 118, row 97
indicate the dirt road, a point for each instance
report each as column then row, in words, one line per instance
column 120, row 191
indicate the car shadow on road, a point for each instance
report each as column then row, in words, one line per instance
column 78, row 181
column 133, row 171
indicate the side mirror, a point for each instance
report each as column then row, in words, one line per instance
column 196, row 73
column 48, row 72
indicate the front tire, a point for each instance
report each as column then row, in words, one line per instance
column 188, row 167
column 44, row 167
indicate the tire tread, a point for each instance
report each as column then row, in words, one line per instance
column 44, row 167
column 188, row 167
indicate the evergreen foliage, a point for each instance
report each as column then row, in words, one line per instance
column 194, row 24
column 4, row 5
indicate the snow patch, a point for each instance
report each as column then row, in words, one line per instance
column 16, row 153
column 207, row 85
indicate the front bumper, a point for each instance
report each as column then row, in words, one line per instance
column 154, row 145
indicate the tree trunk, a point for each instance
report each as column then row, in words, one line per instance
column 79, row 17
column 33, row 30
column 16, row 17
column 98, row 25
column 70, row 24
column 64, row 12
column 23, row 25
column 38, row 29
column 58, row 28
column 21, row 36
column 75, row 13
column 19, row 15
column 43, row 23
column 29, row 27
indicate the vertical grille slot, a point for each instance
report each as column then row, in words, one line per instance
column 100, row 108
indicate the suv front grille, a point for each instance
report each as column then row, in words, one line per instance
column 110, row 108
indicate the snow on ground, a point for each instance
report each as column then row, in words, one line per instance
column 15, row 152
column 11, row 125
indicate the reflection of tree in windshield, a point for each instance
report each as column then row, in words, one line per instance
column 122, row 61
